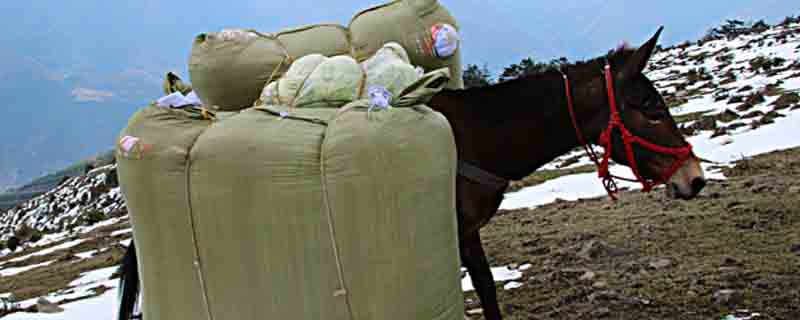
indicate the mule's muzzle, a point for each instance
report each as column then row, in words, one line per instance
column 695, row 186
column 698, row 184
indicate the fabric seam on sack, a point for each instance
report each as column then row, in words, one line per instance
column 197, row 263
column 331, row 227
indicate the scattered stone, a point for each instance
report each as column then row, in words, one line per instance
column 773, row 89
column 721, row 97
column 730, row 262
column 744, row 107
column 755, row 99
column 753, row 114
column 594, row 248
column 45, row 306
column 745, row 88
column 735, row 126
column 539, row 251
column 660, row 264
column 706, row 123
column 726, row 269
column 727, row 116
column 735, row 99
column 600, row 285
column 601, row 312
column 571, row 273
column 588, row 276
column 611, row 295
column 786, row 101
column 770, row 117
column 727, row 297
column 605, row 295
column 721, row 131
column 67, row 258
column 763, row 283
column 728, row 80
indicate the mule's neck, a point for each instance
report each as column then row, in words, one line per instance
column 513, row 128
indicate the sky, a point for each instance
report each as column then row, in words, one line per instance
column 98, row 35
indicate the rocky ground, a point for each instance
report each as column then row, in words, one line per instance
column 736, row 248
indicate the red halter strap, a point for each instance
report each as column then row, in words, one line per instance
column 628, row 139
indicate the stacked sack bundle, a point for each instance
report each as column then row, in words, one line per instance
column 317, row 81
column 323, row 200
column 229, row 68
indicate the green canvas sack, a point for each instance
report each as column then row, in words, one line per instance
column 229, row 69
column 411, row 23
column 323, row 213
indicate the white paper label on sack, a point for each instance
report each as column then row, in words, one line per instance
column 445, row 40
column 178, row 100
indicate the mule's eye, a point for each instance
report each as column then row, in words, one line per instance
column 653, row 115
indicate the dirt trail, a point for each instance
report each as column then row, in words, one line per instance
column 646, row 256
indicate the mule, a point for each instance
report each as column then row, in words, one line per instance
column 508, row 130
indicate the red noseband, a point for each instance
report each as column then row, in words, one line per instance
column 628, row 139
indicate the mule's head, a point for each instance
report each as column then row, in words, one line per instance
column 645, row 115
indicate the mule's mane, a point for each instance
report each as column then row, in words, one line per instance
column 544, row 89
column 580, row 70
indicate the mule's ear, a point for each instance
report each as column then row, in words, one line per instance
column 638, row 61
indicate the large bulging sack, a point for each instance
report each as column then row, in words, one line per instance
column 228, row 70
column 322, row 214
column 391, row 69
column 420, row 26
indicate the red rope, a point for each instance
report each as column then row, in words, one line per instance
column 628, row 139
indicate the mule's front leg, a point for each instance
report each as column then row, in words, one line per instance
column 474, row 260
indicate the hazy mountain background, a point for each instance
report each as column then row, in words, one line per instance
column 72, row 72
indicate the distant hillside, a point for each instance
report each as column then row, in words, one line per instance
column 11, row 197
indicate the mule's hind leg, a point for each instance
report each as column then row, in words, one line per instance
column 129, row 284
column 474, row 260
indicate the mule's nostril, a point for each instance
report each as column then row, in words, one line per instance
column 698, row 184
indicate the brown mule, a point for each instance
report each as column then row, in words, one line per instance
column 506, row 131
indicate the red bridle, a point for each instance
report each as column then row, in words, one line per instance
column 628, row 139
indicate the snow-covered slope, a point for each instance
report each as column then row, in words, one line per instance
column 734, row 98
column 74, row 203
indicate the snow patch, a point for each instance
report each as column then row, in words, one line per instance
column 14, row 271
column 47, row 251
column 119, row 232
column 94, row 276
column 500, row 274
